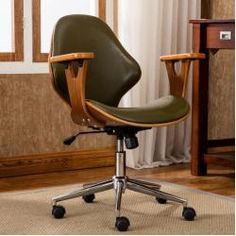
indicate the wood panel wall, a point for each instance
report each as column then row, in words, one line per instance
column 221, row 122
column 33, row 123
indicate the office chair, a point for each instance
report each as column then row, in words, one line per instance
column 91, row 71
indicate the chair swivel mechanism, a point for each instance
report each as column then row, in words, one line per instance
column 91, row 71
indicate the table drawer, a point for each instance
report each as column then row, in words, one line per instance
column 220, row 36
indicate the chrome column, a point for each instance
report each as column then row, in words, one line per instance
column 120, row 159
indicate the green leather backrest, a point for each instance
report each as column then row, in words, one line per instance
column 110, row 74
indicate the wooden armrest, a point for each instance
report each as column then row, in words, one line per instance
column 76, row 83
column 71, row 57
column 76, row 80
column 183, row 56
column 178, row 81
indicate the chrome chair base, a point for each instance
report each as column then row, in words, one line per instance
column 120, row 182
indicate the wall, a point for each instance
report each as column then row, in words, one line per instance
column 33, row 123
column 222, row 73
column 27, row 66
column 34, row 120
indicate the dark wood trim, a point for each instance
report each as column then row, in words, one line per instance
column 54, row 162
column 212, row 21
column 43, row 57
column 37, row 55
column 226, row 160
column 19, row 28
column 218, row 146
column 18, row 40
column 222, row 149
column 221, row 142
column 102, row 9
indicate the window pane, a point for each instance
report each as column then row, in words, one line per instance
column 6, row 26
column 52, row 10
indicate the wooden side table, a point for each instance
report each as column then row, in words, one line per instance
column 213, row 35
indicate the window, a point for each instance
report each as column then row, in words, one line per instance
column 11, row 27
column 47, row 12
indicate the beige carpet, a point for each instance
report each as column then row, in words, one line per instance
column 29, row 212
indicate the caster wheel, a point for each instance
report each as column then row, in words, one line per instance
column 89, row 198
column 58, row 211
column 189, row 213
column 161, row 200
column 122, row 223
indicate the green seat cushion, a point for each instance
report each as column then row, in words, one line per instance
column 164, row 109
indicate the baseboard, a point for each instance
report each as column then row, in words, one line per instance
column 220, row 142
column 53, row 162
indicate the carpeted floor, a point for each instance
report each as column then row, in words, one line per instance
column 29, row 212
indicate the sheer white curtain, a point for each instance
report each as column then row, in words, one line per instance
column 149, row 29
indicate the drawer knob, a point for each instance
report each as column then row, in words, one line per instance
column 225, row 35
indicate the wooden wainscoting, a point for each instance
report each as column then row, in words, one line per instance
column 33, row 123
column 52, row 162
